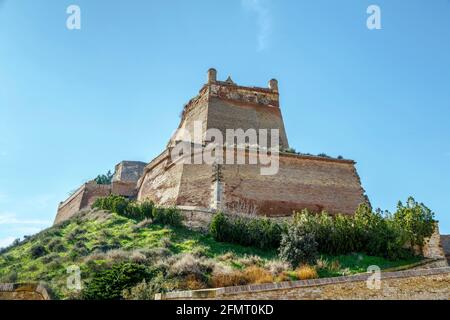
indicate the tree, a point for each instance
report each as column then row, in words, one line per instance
column 104, row 178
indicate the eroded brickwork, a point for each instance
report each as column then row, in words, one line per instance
column 301, row 182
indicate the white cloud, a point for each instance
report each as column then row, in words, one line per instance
column 264, row 20
column 12, row 219
column 4, row 242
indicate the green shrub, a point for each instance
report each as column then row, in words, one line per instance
column 416, row 220
column 147, row 209
column 38, row 251
column 109, row 284
column 259, row 232
column 104, row 178
column 146, row 290
column 124, row 207
column 373, row 233
column 56, row 245
column 298, row 246
column 167, row 216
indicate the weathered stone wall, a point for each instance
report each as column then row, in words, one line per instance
column 433, row 248
column 222, row 105
column 83, row 198
column 301, row 182
column 126, row 189
column 32, row 291
column 93, row 191
column 196, row 218
column 161, row 182
column 231, row 114
column 413, row 284
column 67, row 208
column 195, row 187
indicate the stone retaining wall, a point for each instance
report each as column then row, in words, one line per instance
column 23, row 291
column 411, row 284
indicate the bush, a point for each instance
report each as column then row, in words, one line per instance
column 109, row 284
column 190, row 265
column 38, row 251
column 104, row 178
column 113, row 203
column 140, row 211
column 167, row 216
column 257, row 275
column 227, row 279
column 56, row 245
column 370, row 232
column 145, row 290
column 258, row 232
column 416, row 220
column 298, row 246
column 306, row 272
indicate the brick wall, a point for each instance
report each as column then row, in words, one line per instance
column 161, row 182
column 83, row 198
column 414, row 284
column 302, row 182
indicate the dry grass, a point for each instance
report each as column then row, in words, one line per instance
column 187, row 264
column 142, row 224
column 138, row 257
column 227, row 256
column 251, row 260
column 192, row 283
column 306, row 272
column 277, row 267
column 227, row 279
column 257, row 275
column 335, row 265
column 282, row 277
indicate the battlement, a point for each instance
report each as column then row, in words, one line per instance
column 225, row 105
column 229, row 90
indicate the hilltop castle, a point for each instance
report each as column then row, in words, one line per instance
column 301, row 181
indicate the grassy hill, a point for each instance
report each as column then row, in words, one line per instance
column 122, row 258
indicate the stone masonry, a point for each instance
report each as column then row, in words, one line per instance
column 311, row 182
column 302, row 181
column 433, row 284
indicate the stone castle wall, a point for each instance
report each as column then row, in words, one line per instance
column 160, row 182
column 83, row 198
column 302, row 182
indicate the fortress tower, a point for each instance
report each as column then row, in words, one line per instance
column 316, row 183
column 301, row 181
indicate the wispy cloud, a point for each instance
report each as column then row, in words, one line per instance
column 4, row 242
column 12, row 219
column 264, row 20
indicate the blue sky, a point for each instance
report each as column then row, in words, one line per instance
column 74, row 103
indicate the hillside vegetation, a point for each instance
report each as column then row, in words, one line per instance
column 122, row 257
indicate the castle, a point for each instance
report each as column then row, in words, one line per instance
column 300, row 181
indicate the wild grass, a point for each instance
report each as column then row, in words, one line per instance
column 186, row 258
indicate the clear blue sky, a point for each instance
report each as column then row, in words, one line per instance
column 74, row 103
